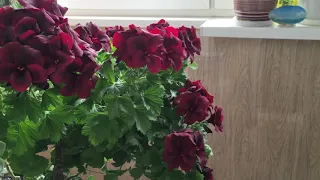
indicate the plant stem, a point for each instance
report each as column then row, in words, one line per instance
column 10, row 171
column 58, row 166
column 71, row 177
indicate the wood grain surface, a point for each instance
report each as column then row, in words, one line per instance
column 270, row 92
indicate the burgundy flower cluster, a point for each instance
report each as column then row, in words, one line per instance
column 195, row 104
column 38, row 44
column 160, row 47
column 184, row 149
column 188, row 36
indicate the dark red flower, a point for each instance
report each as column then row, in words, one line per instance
column 159, row 25
column 201, row 151
column 138, row 48
column 20, row 66
column 207, row 173
column 191, row 42
column 111, row 30
column 60, row 47
column 193, row 102
column 196, row 86
column 6, row 15
column 26, row 28
column 77, row 42
column 40, row 43
column 43, row 20
column 172, row 52
column 6, row 34
column 78, row 79
column 216, row 119
column 23, row 24
column 94, row 36
column 182, row 149
column 51, row 6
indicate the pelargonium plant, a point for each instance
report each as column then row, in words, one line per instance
column 98, row 97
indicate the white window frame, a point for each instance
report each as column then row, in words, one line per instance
column 137, row 4
column 223, row 4
column 150, row 8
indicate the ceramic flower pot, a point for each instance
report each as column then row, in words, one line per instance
column 253, row 12
column 313, row 11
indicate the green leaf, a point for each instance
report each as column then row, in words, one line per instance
column 33, row 109
column 4, row 125
column 91, row 178
column 107, row 71
column 143, row 121
column 64, row 113
column 100, row 128
column 93, row 158
column 111, row 176
column 2, row 148
column 208, row 150
column 153, row 98
column 114, row 89
column 16, row 103
column 52, row 128
column 117, row 105
column 103, row 87
column 193, row 65
column 1, row 165
column 132, row 140
column 136, row 173
column 29, row 164
column 176, row 174
column 26, row 105
column 16, row 5
column 194, row 175
column 51, row 97
column 22, row 137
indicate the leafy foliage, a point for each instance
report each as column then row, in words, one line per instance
column 126, row 118
column 126, row 106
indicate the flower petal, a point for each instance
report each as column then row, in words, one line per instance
column 155, row 63
column 38, row 73
column 6, row 55
column 84, row 86
column 26, row 24
column 5, row 71
column 67, row 91
column 90, row 69
column 138, row 60
column 154, row 42
column 6, row 34
column 20, row 81
column 136, row 43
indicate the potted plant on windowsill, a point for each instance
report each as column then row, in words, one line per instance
column 97, row 96
column 287, row 13
column 253, row 13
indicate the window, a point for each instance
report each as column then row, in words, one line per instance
column 137, row 4
column 153, row 8
column 223, row 4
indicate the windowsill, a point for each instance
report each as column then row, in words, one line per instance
column 216, row 27
column 226, row 27
column 138, row 21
